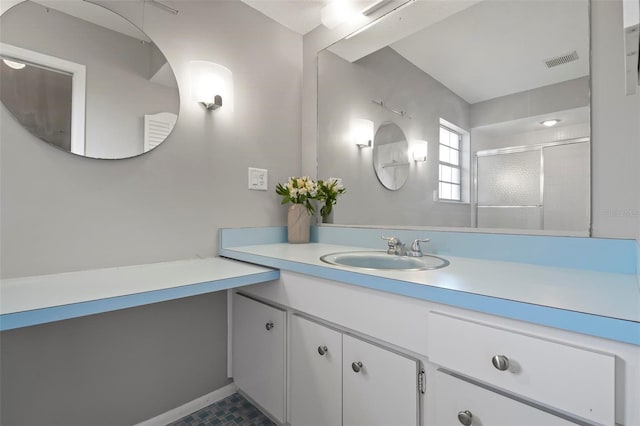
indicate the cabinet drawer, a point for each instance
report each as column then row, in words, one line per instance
column 457, row 402
column 571, row 379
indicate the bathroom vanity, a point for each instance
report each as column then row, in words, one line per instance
column 478, row 342
column 331, row 345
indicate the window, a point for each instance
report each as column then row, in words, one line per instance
column 449, row 185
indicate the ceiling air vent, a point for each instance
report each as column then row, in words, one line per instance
column 560, row 60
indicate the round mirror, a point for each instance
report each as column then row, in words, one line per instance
column 391, row 156
column 85, row 80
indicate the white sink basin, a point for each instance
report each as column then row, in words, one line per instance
column 381, row 260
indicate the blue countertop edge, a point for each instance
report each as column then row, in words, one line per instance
column 593, row 325
column 57, row 313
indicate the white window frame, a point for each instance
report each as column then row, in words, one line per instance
column 78, row 87
column 465, row 164
column 451, row 165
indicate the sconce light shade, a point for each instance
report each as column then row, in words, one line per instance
column 419, row 151
column 337, row 12
column 13, row 64
column 211, row 85
column 362, row 132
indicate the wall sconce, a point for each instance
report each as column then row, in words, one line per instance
column 362, row 132
column 337, row 12
column 13, row 64
column 419, row 151
column 211, row 85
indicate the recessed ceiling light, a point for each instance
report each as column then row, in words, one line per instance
column 551, row 122
column 13, row 64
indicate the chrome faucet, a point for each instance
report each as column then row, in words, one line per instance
column 396, row 247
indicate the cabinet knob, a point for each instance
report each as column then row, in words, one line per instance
column 269, row 326
column 465, row 417
column 500, row 362
column 356, row 366
column 322, row 350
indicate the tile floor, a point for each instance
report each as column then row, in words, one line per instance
column 234, row 410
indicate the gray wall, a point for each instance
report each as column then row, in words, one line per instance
column 119, row 92
column 116, row 368
column 345, row 92
column 484, row 138
column 615, row 128
column 568, row 95
column 541, row 100
column 64, row 213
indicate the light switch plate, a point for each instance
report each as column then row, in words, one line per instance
column 258, row 179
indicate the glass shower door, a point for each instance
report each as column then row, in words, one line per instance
column 509, row 190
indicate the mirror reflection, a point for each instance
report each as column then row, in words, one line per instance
column 500, row 92
column 85, row 80
column 391, row 156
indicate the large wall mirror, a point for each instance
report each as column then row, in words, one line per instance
column 499, row 89
column 84, row 79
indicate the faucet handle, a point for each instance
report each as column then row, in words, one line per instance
column 391, row 240
column 415, row 246
column 393, row 245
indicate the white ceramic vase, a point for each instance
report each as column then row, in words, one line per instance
column 298, row 224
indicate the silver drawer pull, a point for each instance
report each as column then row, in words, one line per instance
column 465, row 417
column 269, row 326
column 500, row 362
column 356, row 366
column 322, row 350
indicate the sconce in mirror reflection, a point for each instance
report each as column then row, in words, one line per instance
column 211, row 85
column 362, row 132
column 13, row 64
column 419, row 151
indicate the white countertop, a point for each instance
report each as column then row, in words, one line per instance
column 101, row 290
column 599, row 293
column 604, row 294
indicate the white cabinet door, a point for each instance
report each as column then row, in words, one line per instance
column 455, row 402
column 259, row 353
column 316, row 374
column 384, row 389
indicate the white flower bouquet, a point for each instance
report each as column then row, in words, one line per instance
column 329, row 191
column 299, row 190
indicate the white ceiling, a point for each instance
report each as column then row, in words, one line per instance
column 496, row 48
column 480, row 49
column 395, row 26
column 300, row 16
column 533, row 124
